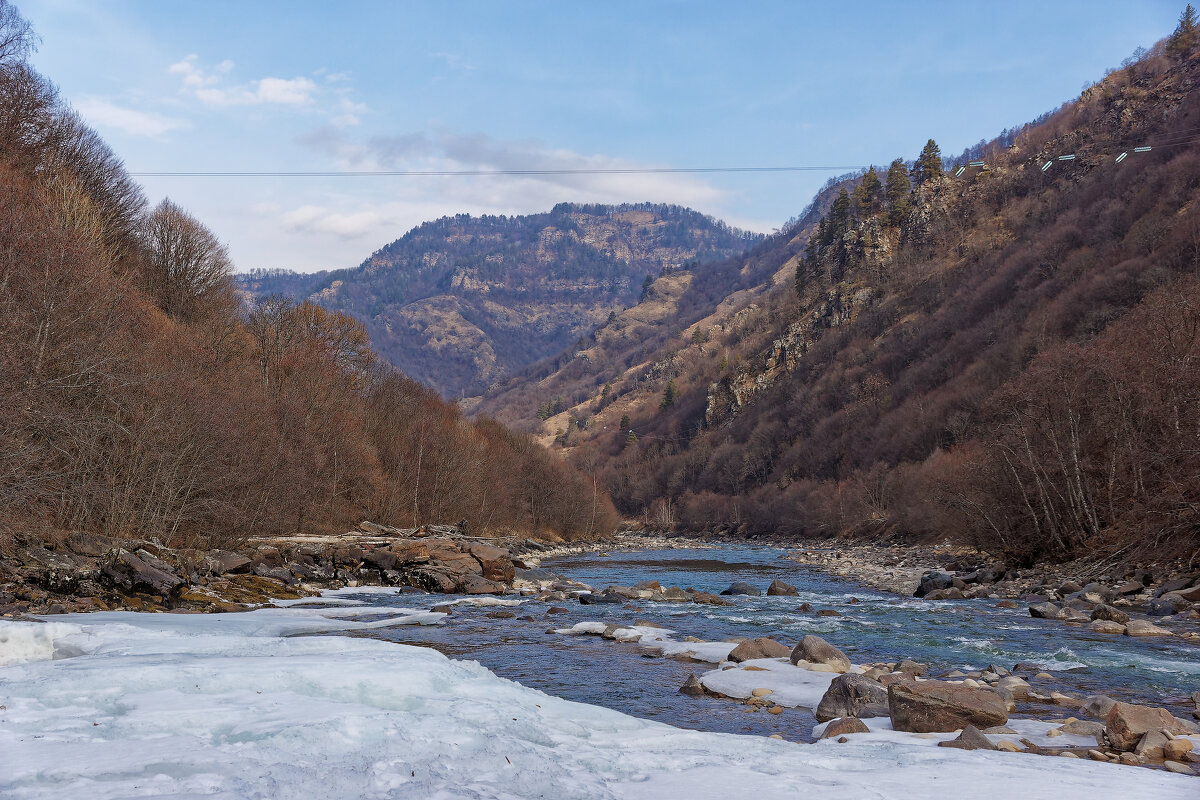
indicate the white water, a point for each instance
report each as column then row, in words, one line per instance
column 123, row 705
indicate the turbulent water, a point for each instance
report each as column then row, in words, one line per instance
column 874, row 626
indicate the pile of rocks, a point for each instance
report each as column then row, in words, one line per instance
column 97, row 573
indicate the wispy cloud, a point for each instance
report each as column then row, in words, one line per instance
column 106, row 114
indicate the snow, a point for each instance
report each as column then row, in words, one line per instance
column 655, row 640
column 235, row 706
column 790, row 686
column 1032, row 729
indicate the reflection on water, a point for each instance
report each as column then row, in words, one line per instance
column 873, row 627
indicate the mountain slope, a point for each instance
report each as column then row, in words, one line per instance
column 948, row 358
column 462, row 302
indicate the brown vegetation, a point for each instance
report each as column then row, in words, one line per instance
column 137, row 398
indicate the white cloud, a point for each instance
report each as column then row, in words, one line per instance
column 209, row 85
column 105, row 114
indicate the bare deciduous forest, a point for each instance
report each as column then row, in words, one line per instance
column 139, row 397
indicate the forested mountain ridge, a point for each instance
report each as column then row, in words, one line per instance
column 462, row 302
column 141, row 399
column 1005, row 354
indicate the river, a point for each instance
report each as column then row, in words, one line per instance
column 873, row 626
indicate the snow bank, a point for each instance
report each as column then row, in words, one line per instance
column 1032, row 729
column 655, row 640
column 166, row 705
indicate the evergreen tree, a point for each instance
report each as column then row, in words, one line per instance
column 1184, row 38
column 929, row 163
column 840, row 217
column 646, row 283
column 868, row 195
column 669, row 394
column 801, row 275
column 625, row 422
column 899, row 194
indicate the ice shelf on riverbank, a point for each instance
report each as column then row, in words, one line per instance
column 122, row 705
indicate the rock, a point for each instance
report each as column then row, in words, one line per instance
column 1104, row 612
column 1006, row 604
column 1129, row 759
column 1168, row 604
column 1104, row 626
column 1150, row 746
column 131, row 573
column 692, row 686
column 477, row 584
column 971, row 738
column 1175, row 766
column 380, row 558
column 1045, row 611
column 934, row 707
column 829, row 612
column 1019, row 687
column 708, row 598
column 599, row 598
column 780, row 589
column 221, row 562
column 1130, row 587
column 933, row 581
column 1098, row 705
column 674, row 594
column 761, row 692
column 842, row 727
column 910, row 667
column 409, row 553
column 1126, row 724
column 743, row 588
column 775, row 710
column 1082, row 727
column 653, row 586
column 1173, row 585
column 557, row 610
column 1141, row 627
column 1177, row 749
column 759, row 648
column 495, row 562
column 1007, row 746
column 805, row 608
column 852, row 695
column 816, row 650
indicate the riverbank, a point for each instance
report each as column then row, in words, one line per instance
column 236, row 705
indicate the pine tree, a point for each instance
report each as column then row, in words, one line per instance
column 899, row 194
column 801, row 275
column 625, row 422
column 868, row 195
column 929, row 163
column 669, row 395
column 1184, row 38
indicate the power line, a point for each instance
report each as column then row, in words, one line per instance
column 458, row 173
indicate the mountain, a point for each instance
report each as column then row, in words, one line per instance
column 1004, row 354
column 462, row 302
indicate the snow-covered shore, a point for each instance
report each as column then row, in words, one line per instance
column 122, row 705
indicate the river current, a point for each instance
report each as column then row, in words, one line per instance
column 873, row 626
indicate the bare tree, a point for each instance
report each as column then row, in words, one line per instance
column 185, row 262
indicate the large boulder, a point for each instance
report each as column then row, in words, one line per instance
column 1170, row 603
column 934, row 707
column 408, row 553
column 1143, row 627
column 741, row 587
column 131, row 573
column 1045, row 611
column 816, row 650
column 780, row 589
column 759, row 648
column 446, row 555
column 1110, row 614
column 477, row 584
column 710, row 599
column 1126, row 724
column 598, row 598
column 853, row 696
column 932, row 581
column 496, row 563
column 1098, row 705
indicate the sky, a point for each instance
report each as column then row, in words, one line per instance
column 365, row 86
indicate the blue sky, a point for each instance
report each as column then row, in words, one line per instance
column 292, row 86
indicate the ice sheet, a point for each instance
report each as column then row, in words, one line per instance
column 229, row 706
column 791, row 686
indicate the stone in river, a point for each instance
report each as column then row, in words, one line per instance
column 804, row 607
column 971, row 738
column 1175, row 766
column 692, row 686
column 674, row 594
column 1126, row 724
column 741, row 587
column 1045, row 611
column 1106, row 612
column 1150, row 746
column 1098, row 705
column 934, row 707
column 816, row 650
column 829, row 612
column 708, row 598
column 556, row 610
column 599, row 598
column 1177, row 749
column 759, row 648
column 852, row 695
column 841, row 727
column 1105, row 626
column 1141, row 627
column 779, row 589
column 911, row 667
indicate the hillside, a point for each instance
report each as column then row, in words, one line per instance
column 139, row 399
column 462, row 302
column 1002, row 354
